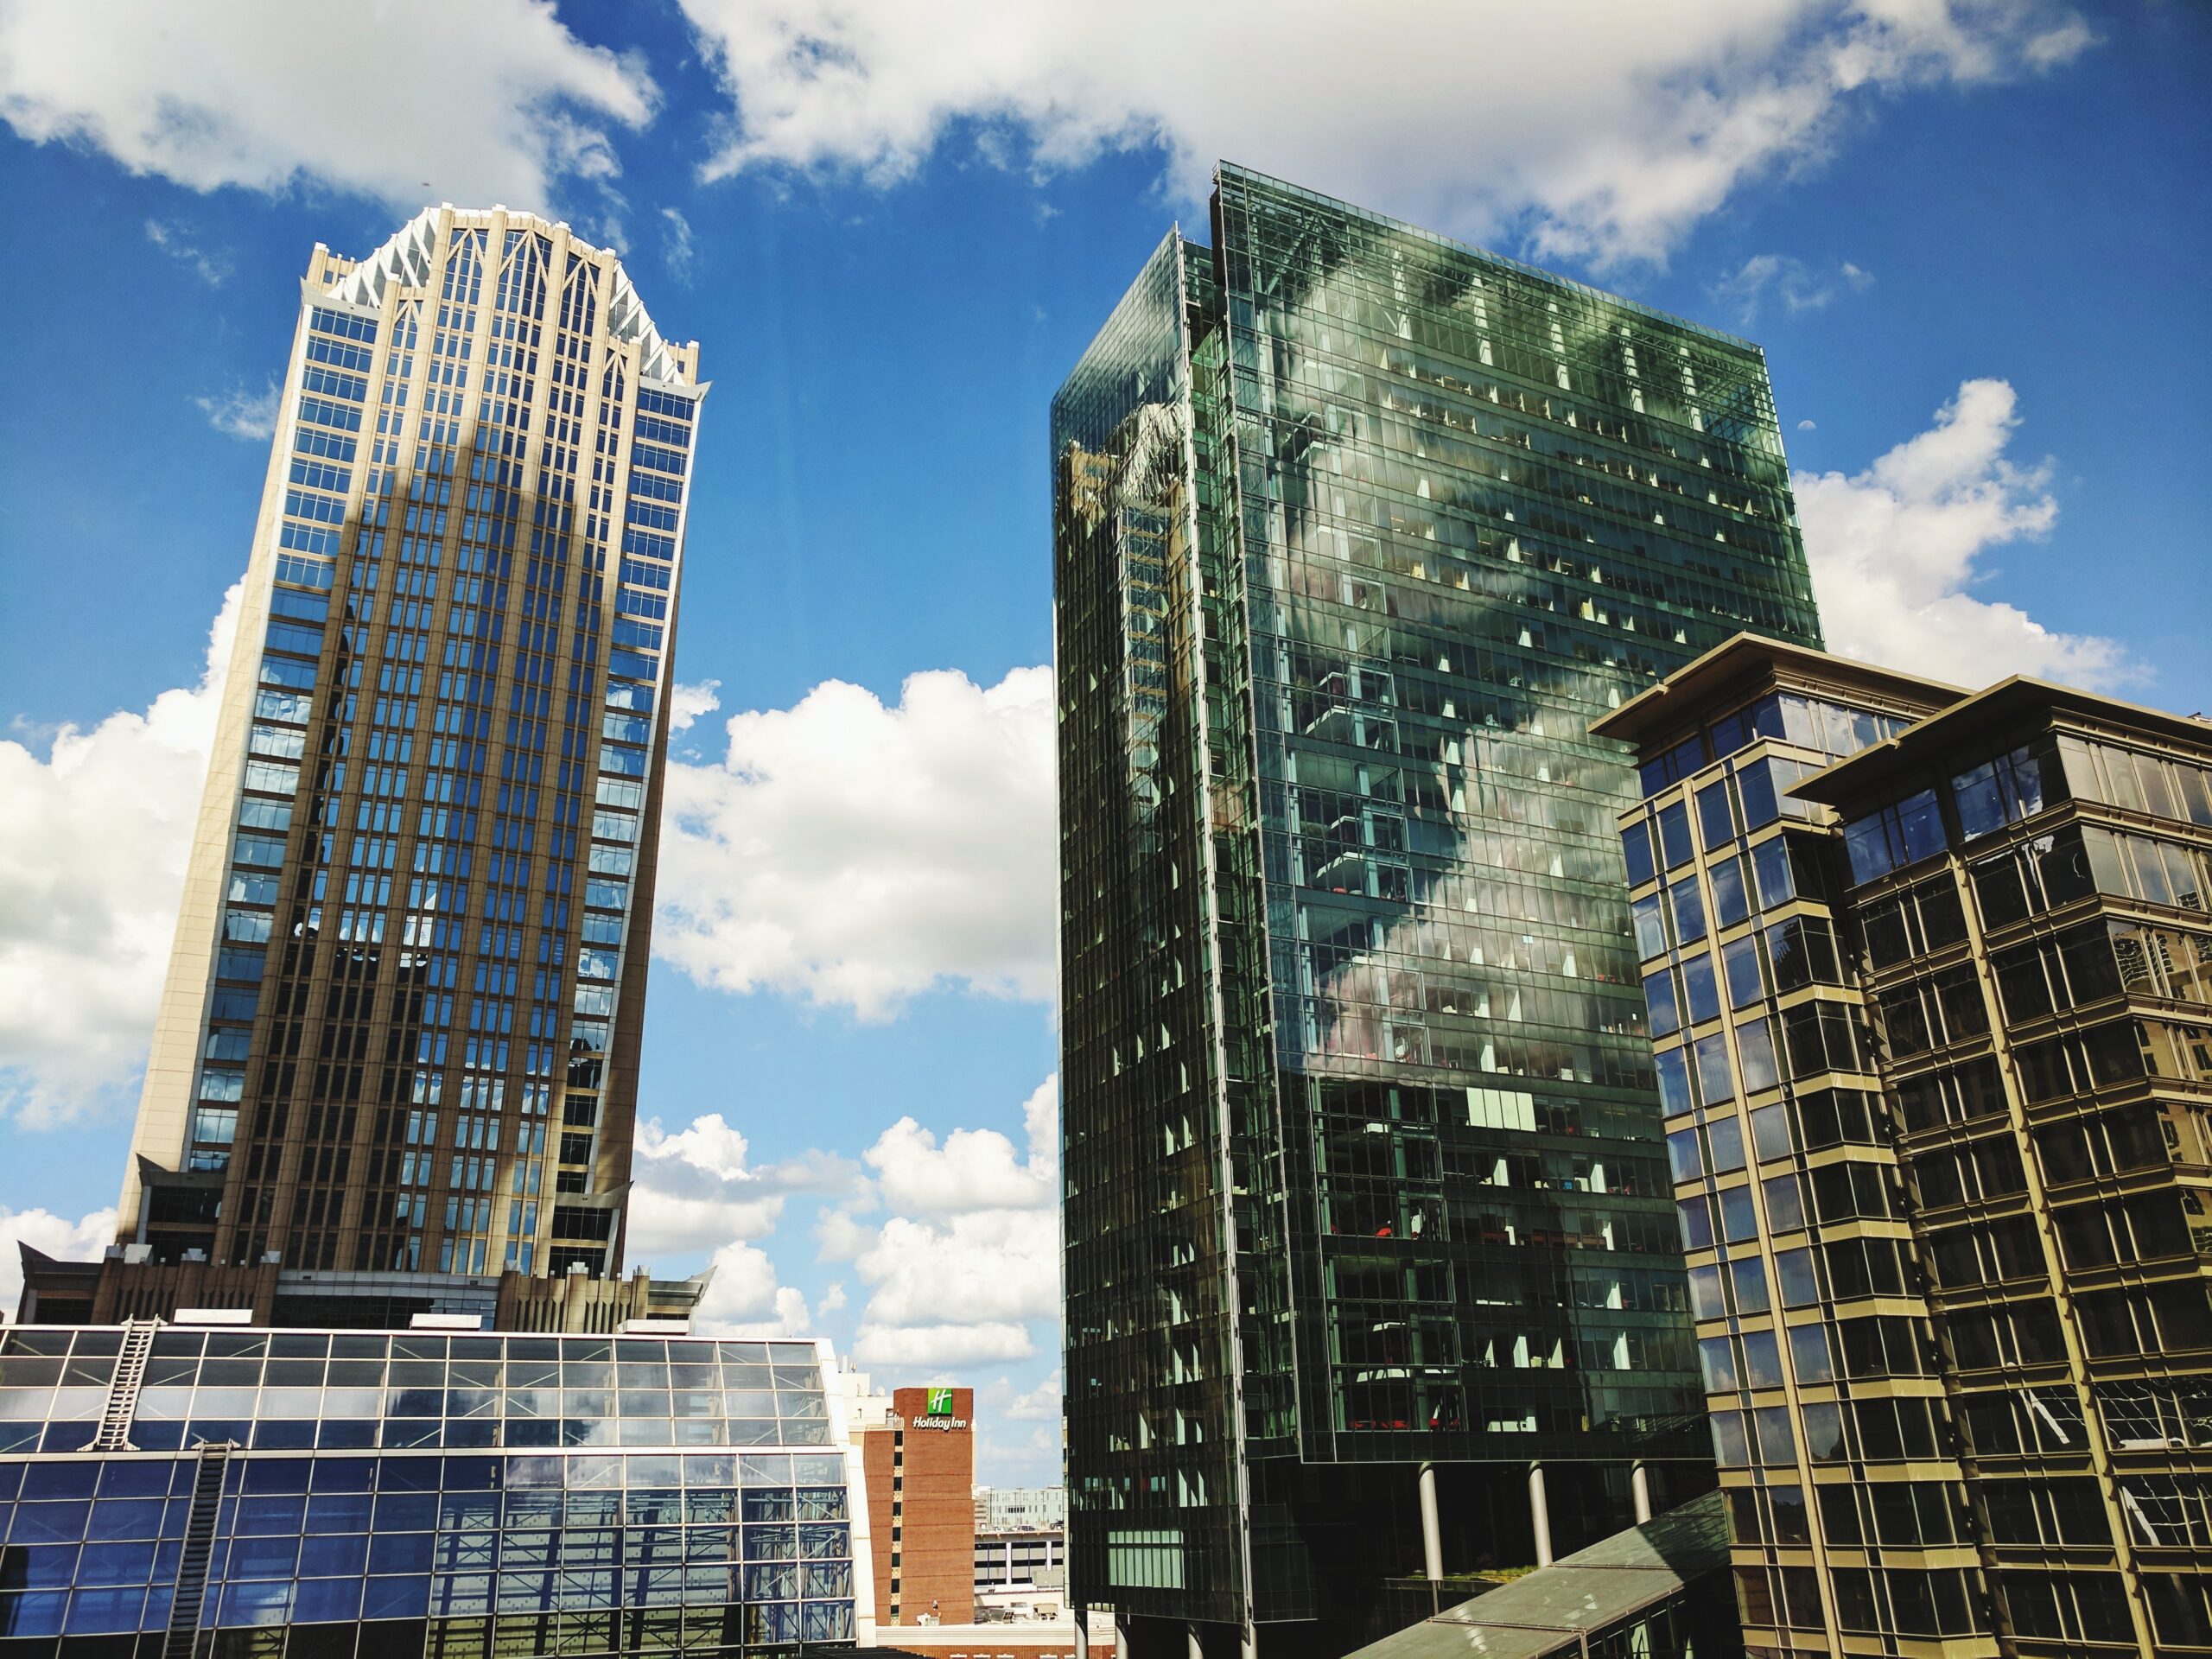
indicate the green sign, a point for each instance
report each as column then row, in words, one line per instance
column 940, row 1402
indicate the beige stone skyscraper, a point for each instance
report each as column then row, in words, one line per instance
column 400, row 1029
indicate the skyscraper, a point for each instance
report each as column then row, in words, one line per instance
column 1934, row 1027
column 1367, row 1212
column 400, row 1029
column 357, row 1380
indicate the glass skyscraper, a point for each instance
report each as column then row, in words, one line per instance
column 400, row 1030
column 1367, row 1210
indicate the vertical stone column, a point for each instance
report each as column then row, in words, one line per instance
column 1540, row 1515
column 1432, row 1534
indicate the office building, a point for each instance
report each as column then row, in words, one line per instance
column 395, row 1066
column 360, row 1378
column 1930, row 986
column 226, row 1490
column 1355, row 531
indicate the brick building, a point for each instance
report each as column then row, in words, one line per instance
column 919, row 1451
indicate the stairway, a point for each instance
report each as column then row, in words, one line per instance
column 183, row 1642
column 114, row 1432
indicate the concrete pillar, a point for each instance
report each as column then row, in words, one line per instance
column 1121, row 1638
column 1195, row 1648
column 1431, row 1533
column 1639, row 1486
column 1248, row 1642
column 1082, row 1631
column 1540, row 1515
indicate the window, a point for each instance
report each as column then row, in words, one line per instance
column 1802, row 951
column 1659, row 998
column 1898, row 835
column 1674, row 835
column 1672, row 766
column 1739, row 960
column 1636, row 847
column 1714, row 1078
column 1755, row 1049
column 1730, row 899
column 2014, row 785
column 1688, row 909
column 1700, row 994
column 1716, row 814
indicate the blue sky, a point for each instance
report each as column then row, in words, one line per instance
column 1969, row 243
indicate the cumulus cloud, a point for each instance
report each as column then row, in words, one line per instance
column 1895, row 552
column 857, row 853
column 694, row 1191
column 1605, row 131
column 1796, row 285
column 93, row 837
column 495, row 100
column 974, row 1169
column 1040, row 1404
column 688, row 704
column 961, row 1281
column 239, row 413
column 744, row 1298
column 82, row 1240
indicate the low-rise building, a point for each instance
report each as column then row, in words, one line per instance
column 1021, row 1509
column 1020, row 1573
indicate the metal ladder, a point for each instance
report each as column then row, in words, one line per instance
column 184, row 1640
column 114, row 1432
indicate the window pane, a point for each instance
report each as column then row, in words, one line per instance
column 1731, row 902
column 1701, row 994
column 1716, row 814
column 1635, row 845
column 1740, row 958
column 1675, row 834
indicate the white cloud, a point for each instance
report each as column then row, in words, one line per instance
column 974, row 1169
column 744, row 1299
column 82, row 1240
column 688, row 703
column 960, row 1282
column 177, row 242
column 1791, row 280
column 93, row 839
column 1040, row 1404
column 921, row 1346
column 677, row 252
column 239, row 413
column 493, row 100
column 693, row 1190
column 1895, row 553
column 1603, row 131
column 858, row 855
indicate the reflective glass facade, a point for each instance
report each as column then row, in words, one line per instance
column 1961, row 1409
column 400, row 1027
column 1355, row 531
column 351, row 1493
